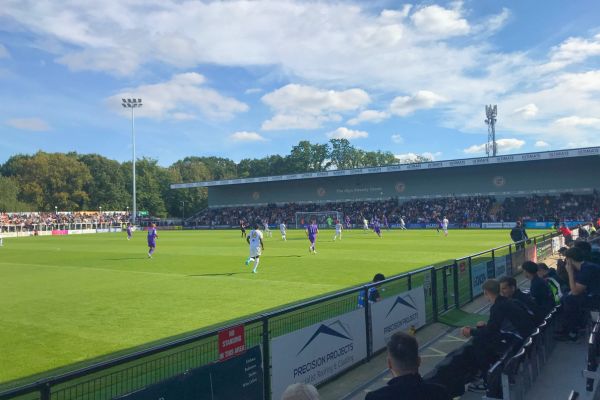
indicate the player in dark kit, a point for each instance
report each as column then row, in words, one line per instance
column 243, row 228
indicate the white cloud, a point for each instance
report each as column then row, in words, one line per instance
column 527, row 111
column 579, row 122
column 29, row 124
column 398, row 139
column 337, row 45
column 253, row 90
column 541, row 144
column 244, row 136
column 503, row 145
column 369, row 116
column 414, row 157
column 423, row 99
column 572, row 51
column 181, row 98
column 345, row 133
column 440, row 22
column 307, row 107
column 3, row 52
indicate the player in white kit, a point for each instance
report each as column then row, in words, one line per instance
column 283, row 230
column 402, row 224
column 445, row 226
column 365, row 225
column 267, row 230
column 255, row 240
column 338, row 230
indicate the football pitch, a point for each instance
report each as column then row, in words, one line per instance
column 71, row 299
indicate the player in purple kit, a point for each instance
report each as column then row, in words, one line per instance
column 129, row 231
column 348, row 222
column 152, row 236
column 312, row 231
column 377, row 227
column 385, row 222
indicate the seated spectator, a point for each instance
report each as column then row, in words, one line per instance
column 551, row 277
column 584, row 285
column 539, row 290
column 509, row 289
column 300, row 391
column 508, row 325
column 403, row 361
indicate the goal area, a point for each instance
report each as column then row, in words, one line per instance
column 324, row 219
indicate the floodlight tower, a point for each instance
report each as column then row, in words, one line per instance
column 491, row 112
column 133, row 104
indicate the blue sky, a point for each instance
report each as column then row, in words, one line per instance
column 247, row 79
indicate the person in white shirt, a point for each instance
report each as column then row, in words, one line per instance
column 365, row 224
column 338, row 230
column 255, row 240
column 283, row 230
column 402, row 224
column 445, row 226
column 267, row 230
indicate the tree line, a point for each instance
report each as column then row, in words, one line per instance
column 75, row 182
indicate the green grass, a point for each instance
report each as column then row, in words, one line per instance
column 72, row 299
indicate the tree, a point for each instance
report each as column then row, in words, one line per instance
column 190, row 169
column 342, row 154
column 152, row 184
column 219, row 167
column 9, row 192
column 107, row 187
column 48, row 180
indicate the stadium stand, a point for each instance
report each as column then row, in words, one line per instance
column 459, row 210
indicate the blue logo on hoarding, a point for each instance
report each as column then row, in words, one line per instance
column 328, row 330
column 406, row 301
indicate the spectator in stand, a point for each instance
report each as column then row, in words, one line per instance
column 586, row 247
column 518, row 234
column 300, row 391
column 509, row 289
column 373, row 293
column 403, row 361
column 508, row 325
column 539, row 289
column 551, row 277
column 584, row 283
column 567, row 234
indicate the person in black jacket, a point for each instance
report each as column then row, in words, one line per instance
column 509, row 289
column 539, row 290
column 508, row 325
column 403, row 361
column 518, row 234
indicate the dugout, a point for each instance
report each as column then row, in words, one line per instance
column 515, row 175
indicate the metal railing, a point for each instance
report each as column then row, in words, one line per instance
column 447, row 286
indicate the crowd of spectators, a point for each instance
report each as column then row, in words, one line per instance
column 458, row 210
column 33, row 220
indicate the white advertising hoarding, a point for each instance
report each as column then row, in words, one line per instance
column 315, row 353
column 397, row 313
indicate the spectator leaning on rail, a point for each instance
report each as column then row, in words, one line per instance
column 508, row 325
column 518, row 234
column 403, row 361
column 567, row 234
column 539, row 289
column 584, row 285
